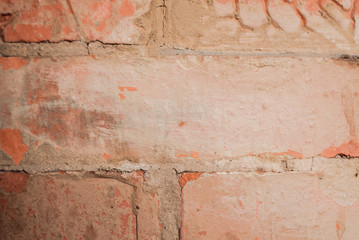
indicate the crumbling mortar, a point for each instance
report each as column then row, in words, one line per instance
column 167, row 51
column 163, row 189
column 10, row 49
column 88, row 48
column 183, row 168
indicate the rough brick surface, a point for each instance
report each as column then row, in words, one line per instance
column 179, row 108
column 11, row 144
column 62, row 206
column 179, row 119
column 306, row 26
column 270, row 206
column 55, row 20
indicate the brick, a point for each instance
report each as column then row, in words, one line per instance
column 346, row 4
column 35, row 21
column 284, row 15
column 13, row 182
column 12, row 63
column 252, row 13
column 113, row 108
column 224, row 7
column 269, row 206
column 113, row 21
column 76, row 206
column 356, row 27
column 57, row 20
column 273, row 26
column 11, row 143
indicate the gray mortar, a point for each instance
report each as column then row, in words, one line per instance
column 166, row 184
column 97, row 48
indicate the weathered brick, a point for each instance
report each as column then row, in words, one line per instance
column 252, row 13
column 269, row 206
column 272, row 26
column 224, row 7
column 346, row 4
column 56, row 20
column 13, row 182
column 11, row 143
column 113, row 21
column 35, row 21
column 285, row 15
column 76, row 206
column 181, row 108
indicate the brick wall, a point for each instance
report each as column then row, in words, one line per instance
column 188, row 119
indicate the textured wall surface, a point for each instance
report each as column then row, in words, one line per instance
column 187, row 119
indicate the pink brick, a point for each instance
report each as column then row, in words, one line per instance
column 346, row 4
column 284, row 15
column 111, row 21
column 312, row 14
column 252, row 13
column 302, row 26
column 225, row 7
column 78, row 206
column 271, row 206
column 107, row 21
column 356, row 20
column 185, row 108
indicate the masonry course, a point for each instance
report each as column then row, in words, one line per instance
column 138, row 119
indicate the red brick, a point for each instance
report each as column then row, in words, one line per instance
column 13, row 182
column 35, row 21
column 56, row 20
column 11, row 143
column 61, row 206
column 271, row 206
column 12, row 63
column 185, row 108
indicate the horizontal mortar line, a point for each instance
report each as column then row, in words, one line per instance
column 72, row 42
column 180, row 168
column 99, row 171
column 234, row 53
column 66, row 47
